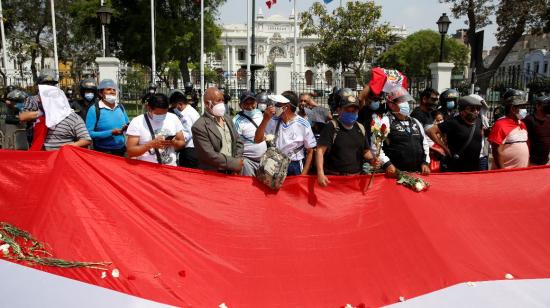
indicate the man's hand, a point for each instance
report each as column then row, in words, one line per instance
column 425, row 169
column 323, row 180
column 241, row 165
column 391, row 171
column 116, row 132
column 269, row 112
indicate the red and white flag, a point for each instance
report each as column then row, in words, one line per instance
column 269, row 3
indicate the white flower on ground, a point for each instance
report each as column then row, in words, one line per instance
column 5, row 248
column 348, row 306
column 103, row 275
column 508, row 276
column 419, row 186
column 269, row 137
column 222, row 305
column 115, row 273
column 471, row 284
column 401, row 298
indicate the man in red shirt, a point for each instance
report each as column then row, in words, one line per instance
column 509, row 137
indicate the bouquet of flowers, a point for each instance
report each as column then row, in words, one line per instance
column 412, row 182
column 379, row 133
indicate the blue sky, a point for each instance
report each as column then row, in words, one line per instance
column 415, row 15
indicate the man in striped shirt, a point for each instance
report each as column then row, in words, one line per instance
column 69, row 131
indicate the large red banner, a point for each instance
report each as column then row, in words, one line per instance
column 195, row 239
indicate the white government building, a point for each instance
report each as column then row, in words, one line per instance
column 274, row 39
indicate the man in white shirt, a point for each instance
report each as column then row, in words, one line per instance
column 156, row 135
column 292, row 133
column 246, row 122
column 181, row 107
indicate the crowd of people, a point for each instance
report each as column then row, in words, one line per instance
column 445, row 133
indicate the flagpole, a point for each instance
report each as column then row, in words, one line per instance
column 295, row 45
column 202, row 57
column 4, row 47
column 248, row 74
column 103, row 32
column 55, row 60
column 153, row 60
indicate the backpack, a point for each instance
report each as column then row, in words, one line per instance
column 337, row 129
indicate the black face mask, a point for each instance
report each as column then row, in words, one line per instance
column 470, row 116
column 546, row 109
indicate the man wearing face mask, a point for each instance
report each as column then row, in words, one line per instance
column 215, row 138
column 292, row 133
column 156, row 135
column 448, row 103
column 88, row 94
column 107, row 120
column 509, row 134
column 538, row 126
column 464, row 136
column 406, row 147
column 262, row 101
column 343, row 146
column 372, row 108
column 428, row 102
column 181, row 107
column 246, row 122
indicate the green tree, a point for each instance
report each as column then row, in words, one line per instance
column 348, row 36
column 514, row 19
column 413, row 55
column 177, row 32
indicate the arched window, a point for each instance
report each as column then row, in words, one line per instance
column 309, row 78
column 328, row 77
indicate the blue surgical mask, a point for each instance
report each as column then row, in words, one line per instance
column 158, row 117
column 374, row 105
column 522, row 113
column 450, row 105
column 250, row 113
column 89, row 96
column 348, row 118
column 404, row 108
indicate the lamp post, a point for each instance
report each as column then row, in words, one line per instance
column 104, row 13
column 443, row 25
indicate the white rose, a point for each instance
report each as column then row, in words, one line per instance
column 509, row 276
column 269, row 137
column 115, row 273
column 5, row 248
column 419, row 186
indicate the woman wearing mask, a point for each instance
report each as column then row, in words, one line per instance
column 156, row 135
column 107, row 120
column 292, row 133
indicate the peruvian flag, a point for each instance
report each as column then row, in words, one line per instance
column 269, row 3
column 189, row 238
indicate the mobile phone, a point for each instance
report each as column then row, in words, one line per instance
column 169, row 137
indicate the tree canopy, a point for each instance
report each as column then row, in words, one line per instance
column 348, row 36
column 413, row 55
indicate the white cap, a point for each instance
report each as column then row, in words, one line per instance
column 279, row 99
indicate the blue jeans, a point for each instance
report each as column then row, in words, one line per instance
column 294, row 168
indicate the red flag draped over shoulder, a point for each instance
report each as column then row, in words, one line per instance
column 191, row 238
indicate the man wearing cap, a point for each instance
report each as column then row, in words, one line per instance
column 107, row 120
column 215, row 138
column 70, row 130
column 464, row 136
column 180, row 106
column 343, row 146
column 509, row 134
column 246, row 122
column 538, row 128
column 406, row 147
column 292, row 133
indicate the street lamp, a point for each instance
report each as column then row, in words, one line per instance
column 443, row 25
column 104, row 13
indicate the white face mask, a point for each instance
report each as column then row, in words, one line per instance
column 522, row 113
column 111, row 99
column 218, row 110
column 262, row 107
column 279, row 111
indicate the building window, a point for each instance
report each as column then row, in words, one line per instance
column 528, row 68
column 536, row 67
column 328, row 77
column 242, row 54
column 309, row 57
column 545, row 67
column 309, row 78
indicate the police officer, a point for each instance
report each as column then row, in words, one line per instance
column 15, row 101
column 448, row 101
column 263, row 101
column 88, row 94
column 406, row 147
column 190, row 90
column 333, row 99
